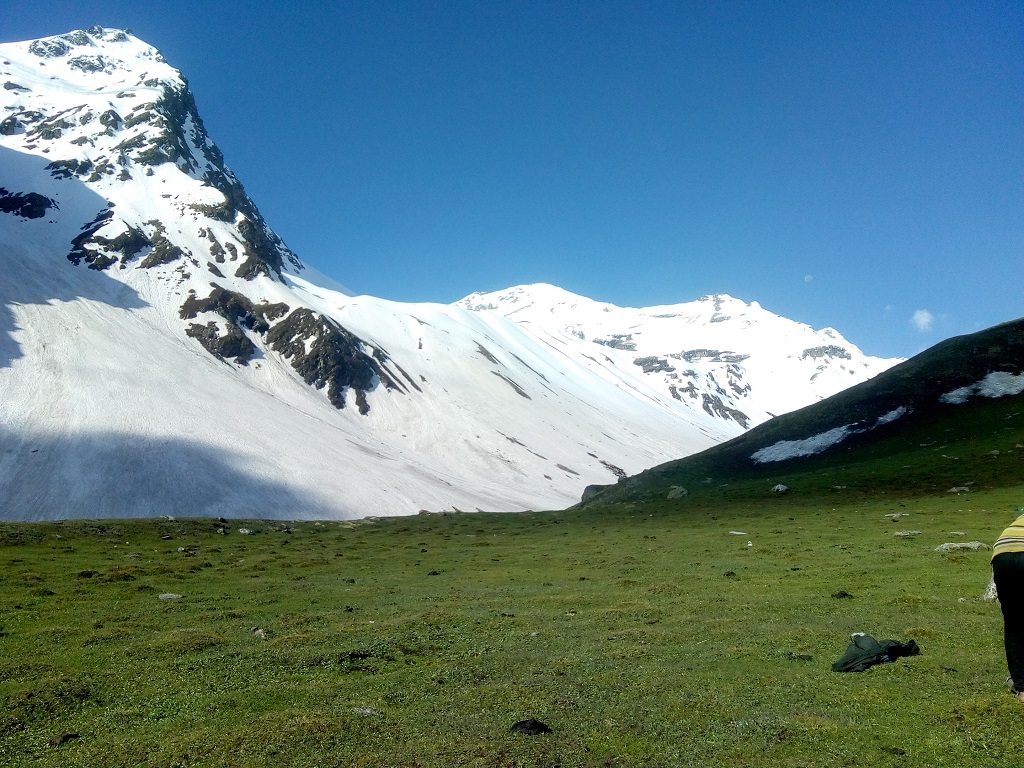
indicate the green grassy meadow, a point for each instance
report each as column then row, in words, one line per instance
column 643, row 635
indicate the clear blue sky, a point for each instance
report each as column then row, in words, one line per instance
column 846, row 164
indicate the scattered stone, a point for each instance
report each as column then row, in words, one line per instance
column 730, row 574
column 990, row 591
column 259, row 632
column 959, row 489
column 677, row 492
column 906, row 534
column 169, row 596
column 63, row 738
column 531, row 727
column 780, row 488
column 962, row 546
column 738, row 533
column 957, row 533
column 245, row 531
column 367, row 711
column 894, row 516
column 841, row 594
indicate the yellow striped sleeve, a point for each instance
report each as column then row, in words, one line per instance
column 1012, row 539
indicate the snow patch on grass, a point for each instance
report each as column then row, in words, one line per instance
column 793, row 449
column 995, row 384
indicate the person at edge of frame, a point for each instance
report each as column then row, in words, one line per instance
column 1008, row 574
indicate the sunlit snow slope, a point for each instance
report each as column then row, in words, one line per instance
column 163, row 352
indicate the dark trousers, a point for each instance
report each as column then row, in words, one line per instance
column 1008, row 572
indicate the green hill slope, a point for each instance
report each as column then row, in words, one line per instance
column 927, row 425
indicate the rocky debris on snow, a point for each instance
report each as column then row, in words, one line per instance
column 828, row 350
column 622, row 341
column 27, row 205
column 653, row 364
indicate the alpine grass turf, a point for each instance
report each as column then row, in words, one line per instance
column 662, row 634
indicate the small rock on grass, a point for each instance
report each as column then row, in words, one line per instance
column 531, row 727
column 962, row 546
column 169, row 596
column 63, row 738
column 906, row 534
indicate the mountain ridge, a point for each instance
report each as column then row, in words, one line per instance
column 148, row 303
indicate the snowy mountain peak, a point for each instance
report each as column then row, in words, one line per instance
column 730, row 358
column 538, row 296
column 162, row 350
column 105, row 109
column 97, row 49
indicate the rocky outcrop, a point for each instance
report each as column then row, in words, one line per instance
column 326, row 355
column 27, row 205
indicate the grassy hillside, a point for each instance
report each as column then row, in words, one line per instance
column 933, row 447
column 642, row 635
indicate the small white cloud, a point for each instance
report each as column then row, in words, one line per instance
column 808, row 278
column 923, row 320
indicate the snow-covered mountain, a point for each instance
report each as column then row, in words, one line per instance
column 163, row 352
column 736, row 361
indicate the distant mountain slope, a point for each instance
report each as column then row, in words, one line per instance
column 734, row 360
column 162, row 351
column 950, row 416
